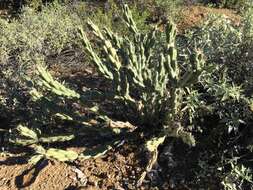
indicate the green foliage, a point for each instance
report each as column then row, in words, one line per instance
column 170, row 8
column 228, row 92
column 239, row 5
column 139, row 76
column 110, row 17
column 235, row 4
column 217, row 36
column 33, row 36
column 237, row 177
column 34, row 3
column 224, row 43
column 38, row 34
column 17, row 5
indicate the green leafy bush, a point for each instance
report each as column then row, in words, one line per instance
column 228, row 91
column 224, row 43
column 33, row 36
column 170, row 8
column 41, row 34
column 235, row 4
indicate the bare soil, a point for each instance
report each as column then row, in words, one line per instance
column 117, row 170
column 193, row 15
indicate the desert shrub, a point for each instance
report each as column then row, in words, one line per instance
column 239, row 5
column 145, row 13
column 224, row 43
column 47, row 32
column 235, row 4
column 227, row 46
column 30, row 37
column 169, row 7
column 16, row 5
column 34, row 36
column 35, row 3
column 109, row 15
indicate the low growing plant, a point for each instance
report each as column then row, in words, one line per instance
column 228, row 91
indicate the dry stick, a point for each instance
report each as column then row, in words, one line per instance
column 152, row 146
column 152, row 161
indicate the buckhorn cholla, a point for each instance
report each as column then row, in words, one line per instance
column 147, row 81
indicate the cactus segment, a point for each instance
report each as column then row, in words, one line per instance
column 35, row 159
column 47, row 81
column 61, row 155
column 99, row 151
column 26, row 136
column 26, row 132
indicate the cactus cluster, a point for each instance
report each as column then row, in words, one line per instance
column 147, row 81
column 44, row 89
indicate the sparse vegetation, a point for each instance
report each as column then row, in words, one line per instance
column 164, row 92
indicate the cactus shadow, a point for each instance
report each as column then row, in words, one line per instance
column 14, row 161
column 16, row 156
column 85, row 81
column 27, row 177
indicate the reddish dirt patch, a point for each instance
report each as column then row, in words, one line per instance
column 118, row 170
column 193, row 15
column 51, row 177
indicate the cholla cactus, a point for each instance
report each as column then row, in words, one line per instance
column 53, row 153
column 42, row 90
column 26, row 136
column 148, row 82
